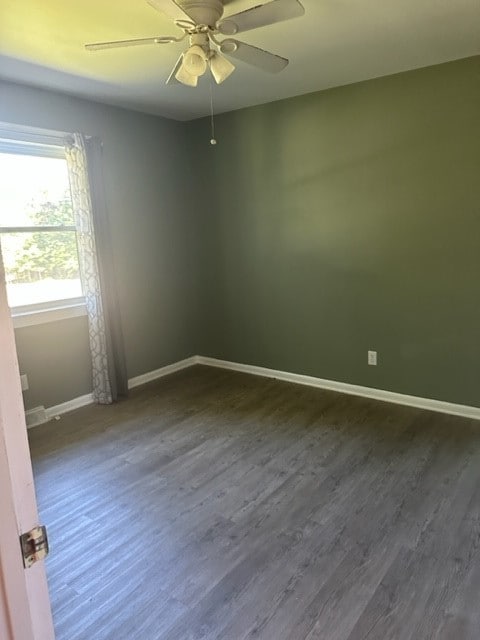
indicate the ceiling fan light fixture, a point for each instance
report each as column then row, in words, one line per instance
column 183, row 75
column 195, row 61
column 220, row 67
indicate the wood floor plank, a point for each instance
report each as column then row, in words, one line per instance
column 214, row 505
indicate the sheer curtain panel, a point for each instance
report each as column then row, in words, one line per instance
column 96, row 264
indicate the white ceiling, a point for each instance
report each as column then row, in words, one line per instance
column 337, row 42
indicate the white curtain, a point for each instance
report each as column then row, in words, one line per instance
column 76, row 155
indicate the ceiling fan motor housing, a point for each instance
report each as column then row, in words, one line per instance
column 206, row 12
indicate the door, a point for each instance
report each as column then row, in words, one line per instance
column 24, row 601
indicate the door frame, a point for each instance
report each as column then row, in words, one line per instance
column 25, row 612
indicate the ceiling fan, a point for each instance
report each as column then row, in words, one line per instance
column 202, row 22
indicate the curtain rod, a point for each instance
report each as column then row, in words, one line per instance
column 24, row 133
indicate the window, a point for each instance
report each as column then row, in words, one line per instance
column 37, row 232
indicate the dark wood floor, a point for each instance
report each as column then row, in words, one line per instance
column 215, row 505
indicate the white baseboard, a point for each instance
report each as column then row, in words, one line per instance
column 465, row 411
column 35, row 416
column 70, row 405
column 40, row 415
column 163, row 371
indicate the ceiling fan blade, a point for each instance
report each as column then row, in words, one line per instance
column 97, row 46
column 171, row 78
column 170, row 8
column 261, row 16
column 220, row 67
column 253, row 55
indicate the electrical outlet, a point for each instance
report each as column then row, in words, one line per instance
column 24, row 382
column 372, row 358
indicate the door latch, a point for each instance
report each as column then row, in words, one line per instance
column 34, row 545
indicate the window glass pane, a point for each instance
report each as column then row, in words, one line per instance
column 40, row 266
column 34, row 191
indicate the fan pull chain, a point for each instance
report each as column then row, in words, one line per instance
column 213, row 140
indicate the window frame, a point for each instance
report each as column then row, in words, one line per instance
column 17, row 143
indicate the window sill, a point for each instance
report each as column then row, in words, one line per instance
column 31, row 318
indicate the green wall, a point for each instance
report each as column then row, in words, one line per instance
column 153, row 226
column 318, row 228
column 349, row 220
